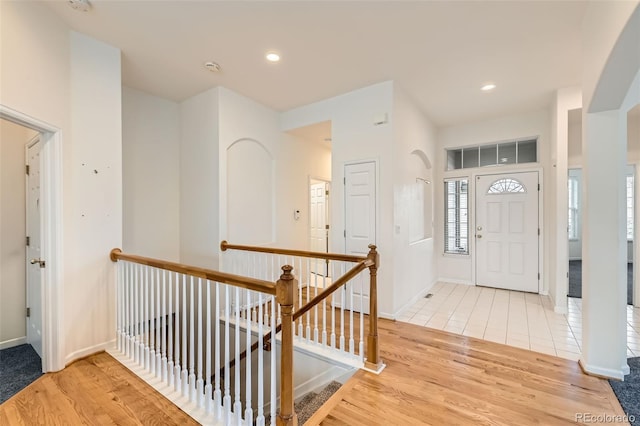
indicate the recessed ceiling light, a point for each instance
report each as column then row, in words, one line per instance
column 488, row 87
column 212, row 66
column 272, row 57
column 80, row 5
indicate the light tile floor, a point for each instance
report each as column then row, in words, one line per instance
column 514, row 318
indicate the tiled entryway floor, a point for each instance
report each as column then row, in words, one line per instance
column 518, row 319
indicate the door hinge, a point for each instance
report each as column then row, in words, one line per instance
column 344, row 180
column 345, row 233
column 326, row 227
column 326, row 192
column 26, row 169
column 538, row 231
column 538, row 276
column 28, row 241
column 28, row 312
column 538, row 187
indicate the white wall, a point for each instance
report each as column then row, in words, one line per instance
column 355, row 138
column 199, row 193
column 95, row 200
column 415, row 267
column 151, row 175
column 13, row 139
column 459, row 268
column 81, row 80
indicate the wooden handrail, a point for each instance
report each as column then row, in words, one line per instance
column 224, row 246
column 209, row 274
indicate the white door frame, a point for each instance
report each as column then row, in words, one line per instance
column 310, row 181
column 51, row 234
column 543, row 288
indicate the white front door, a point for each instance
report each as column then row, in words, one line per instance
column 319, row 224
column 507, row 231
column 34, row 281
column 360, row 223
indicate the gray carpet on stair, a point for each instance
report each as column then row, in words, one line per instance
column 19, row 367
column 628, row 391
column 575, row 280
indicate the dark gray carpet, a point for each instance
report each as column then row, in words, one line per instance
column 575, row 280
column 19, row 367
column 311, row 402
column 628, row 392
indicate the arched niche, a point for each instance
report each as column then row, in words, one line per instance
column 421, row 205
column 250, row 193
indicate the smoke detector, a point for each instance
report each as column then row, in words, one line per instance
column 80, row 5
column 212, row 66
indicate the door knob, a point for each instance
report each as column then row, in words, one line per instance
column 478, row 236
column 38, row 261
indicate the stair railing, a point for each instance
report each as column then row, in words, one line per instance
column 174, row 321
column 322, row 318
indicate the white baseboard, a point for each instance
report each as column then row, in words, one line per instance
column 13, row 342
column 88, row 351
column 604, row 372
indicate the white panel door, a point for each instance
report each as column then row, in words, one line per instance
column 34, row 276
column 319, row 224
column 360, row 222
column 507, row 231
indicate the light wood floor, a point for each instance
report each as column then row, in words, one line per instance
column 432, row 377
column 97, row 390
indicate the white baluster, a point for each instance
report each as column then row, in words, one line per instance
column 208, row 390
column 163, row 325
column 147, row 318
column 308, row 314
column 170, row 349
column 299, row 290
column 361, row 277
column 177, row 376
column 237, row 403
column 192, row 339
column 152, row 323
column 260, row 418
column 248, row 412
column 185, row 371
column 274, row 400
column 119, row 303
column 137, row 316
column 132, row 306
column 226, row 403
column 217, row 393
column 200, row 381
column 158, row 323
column 351, row 342
column 324, row 310
column 333, row 308
column 343, row 302
column 315, row 309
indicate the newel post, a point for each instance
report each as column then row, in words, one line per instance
column 373, row 361
column 285, row 296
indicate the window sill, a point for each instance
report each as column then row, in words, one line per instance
column 455, row 255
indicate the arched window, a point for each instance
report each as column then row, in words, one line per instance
column 506, row 186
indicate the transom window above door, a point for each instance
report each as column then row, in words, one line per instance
column 494, row 154
column 505, row 186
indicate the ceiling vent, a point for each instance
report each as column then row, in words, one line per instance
column 80, row 5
